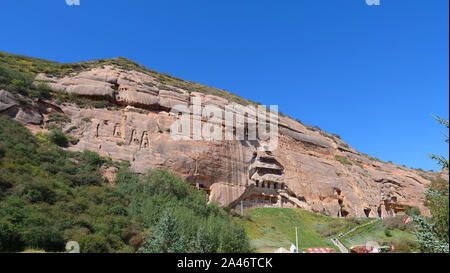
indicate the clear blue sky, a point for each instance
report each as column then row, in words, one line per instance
column 372, row 74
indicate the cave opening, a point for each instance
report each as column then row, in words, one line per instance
column 367, row 212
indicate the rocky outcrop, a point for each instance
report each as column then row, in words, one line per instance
column 10, row 105
column 302, row 172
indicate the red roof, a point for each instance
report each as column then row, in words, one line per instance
column 321, row 250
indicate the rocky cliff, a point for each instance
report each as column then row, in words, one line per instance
column 310, row 169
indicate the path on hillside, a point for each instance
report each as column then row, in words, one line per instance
column 338, row 243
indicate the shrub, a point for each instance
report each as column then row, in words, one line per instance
column 387, row 232
column 118, row 210
column 137, row 241
column 42, row 237
column 100, row 104
column 343, row 160
column 5, row 183
column 161, row 195
column 58, row 118
column 412, row 211
column 2, row 151
column 93, row 243
column 68, row 131
column 396, row 223
column 39, row 191
column 57, row 137
column 166, row 238
column 9, row 237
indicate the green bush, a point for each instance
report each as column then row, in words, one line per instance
column 162, row 200
column 2, row 151
column 387, row 232
column 57, row 137
column 43, row 237
column 412, row 211
column 100, row 104
column 9, row 237
column 93, row 243
column 343, row 160
column 396, row 223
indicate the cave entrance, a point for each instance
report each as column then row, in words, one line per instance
column 379, row 211
column 367, row 212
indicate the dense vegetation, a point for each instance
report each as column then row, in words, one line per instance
column 49, row 196
column 178, row 216
column 433, row 233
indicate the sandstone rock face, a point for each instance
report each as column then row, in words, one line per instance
column 7, row 100
column 10, row 105
column 302, row 172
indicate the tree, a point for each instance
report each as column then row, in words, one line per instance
column 56, row 136
column 433, row 233
column 9, row 237
column 165, row 238
column 441, row 159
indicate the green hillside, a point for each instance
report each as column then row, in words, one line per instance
column 389, row 231
column 49, row 196
column 271, row 228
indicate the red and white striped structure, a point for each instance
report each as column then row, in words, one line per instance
column 321, row 250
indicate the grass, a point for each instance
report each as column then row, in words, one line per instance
column 30, row 250
column 403, row 240
column 343, row 160
column 272, row 228
column 370, row 157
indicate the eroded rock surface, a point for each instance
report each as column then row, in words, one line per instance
column 302, row 172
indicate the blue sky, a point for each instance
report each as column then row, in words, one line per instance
column 372, row 74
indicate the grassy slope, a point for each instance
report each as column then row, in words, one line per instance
column 403, row 240
column 271, row 228
column 49, row 196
